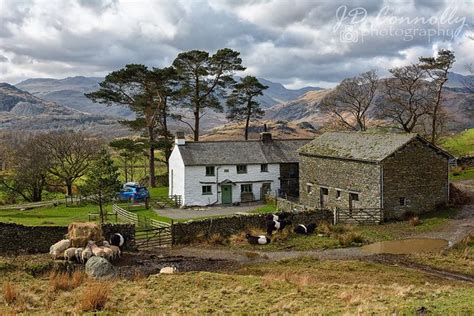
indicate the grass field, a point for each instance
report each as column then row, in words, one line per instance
column 461, row 144
column 301, row 286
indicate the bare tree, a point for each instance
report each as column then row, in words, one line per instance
column 71, row 154
column 437, row 69
column 406, row 97
column 28, row 169
column 352, row 99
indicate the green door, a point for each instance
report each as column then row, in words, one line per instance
column 226, row 194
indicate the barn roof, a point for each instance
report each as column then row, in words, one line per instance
column 364, row 146
column 241, row 152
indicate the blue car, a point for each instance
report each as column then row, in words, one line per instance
column 133, row 192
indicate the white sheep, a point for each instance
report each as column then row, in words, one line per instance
column 78, row 255
column 116, row 251
column 96, row 250
column 105, row 243
column 57, row 250
column 108, row 253
column 168, row 270
column 70, row 254
column 86, row 254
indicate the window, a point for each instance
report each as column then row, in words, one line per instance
column 338, row 194
column 264, row 167
column 206, row 190
column 226, row 170
column 246, row 188
column 403, row 201
column 210, row 171
column 324, row 191
column 309, row 188
column 354, row 196
column 241, row 168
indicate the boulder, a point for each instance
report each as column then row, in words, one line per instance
column 100, row 268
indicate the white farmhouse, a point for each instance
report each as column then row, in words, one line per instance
column 226, row 172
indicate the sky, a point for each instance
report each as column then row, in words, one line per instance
column 294, row 42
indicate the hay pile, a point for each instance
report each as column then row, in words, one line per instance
column 81, row 233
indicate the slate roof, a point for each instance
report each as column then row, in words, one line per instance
column 241, row 152
column 363, row 146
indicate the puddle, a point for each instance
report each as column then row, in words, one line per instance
column 406, row 246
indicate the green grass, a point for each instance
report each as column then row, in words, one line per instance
column 158, row 192
column 464, row 174
column 265, row 209
column 461, row 144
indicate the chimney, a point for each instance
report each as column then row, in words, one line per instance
column 266, row 137
column 179, row 139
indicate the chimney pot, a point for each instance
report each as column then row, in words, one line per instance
column 179, row 139
column 266, row 137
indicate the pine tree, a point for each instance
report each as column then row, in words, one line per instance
column 101, row 184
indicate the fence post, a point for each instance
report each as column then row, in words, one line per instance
column 172, row 232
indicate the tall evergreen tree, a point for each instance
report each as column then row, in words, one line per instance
column 203, row 80
column 241, row 103
column 146, row 93
column 437, row 68
column 102, row 183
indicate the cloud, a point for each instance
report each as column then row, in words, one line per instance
column 296, row 42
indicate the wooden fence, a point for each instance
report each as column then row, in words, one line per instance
column 149, row 232
column 358, row 216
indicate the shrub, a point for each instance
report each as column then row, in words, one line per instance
column 415, row 221
column 64, row 281
column 323, row 228
column 95, row 297
column 217, row 239
column 457, row 170
column 349, row 239
column 10, row 293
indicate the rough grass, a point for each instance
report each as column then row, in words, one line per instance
column 462, row 174
column 459, row 258
column 300, row 286
column 95, row 296
column 64, row 281
column 461, row 144
column 10, row 292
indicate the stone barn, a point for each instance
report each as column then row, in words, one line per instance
column 395, row 172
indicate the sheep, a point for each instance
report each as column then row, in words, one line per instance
column 117, row 240
column 86, row 254
column 305, row 230
column 105, row 243
column 96, row 250
column 279, row 217
column 276, row 225
column 78, row 255
column 168, row 270
column 108, row 253
column 257, row 240
column 57, row 250
column 70, row 254
column 116, row 251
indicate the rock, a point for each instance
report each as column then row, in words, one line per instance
column 168, row 270
column 100, row 268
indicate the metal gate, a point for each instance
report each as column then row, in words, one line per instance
column 153, row 237
column 358, row 216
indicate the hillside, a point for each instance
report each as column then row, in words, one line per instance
column 461, row 144
column 22, row 111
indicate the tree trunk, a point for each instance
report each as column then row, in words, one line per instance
column 69, row 187
column 196, row 125
column 125, row 169
column 101, row 211
column 247, row 121
column 151, row 161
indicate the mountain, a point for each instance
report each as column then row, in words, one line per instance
column 22, row 111
column 70, row 92
column 456, row 80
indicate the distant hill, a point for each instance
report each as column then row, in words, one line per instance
column 22, row 111
column 70, row 92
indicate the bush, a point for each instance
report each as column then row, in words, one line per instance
column 415, row 221
column 95, row 297
column 349, row 239
column 10, row 293
column 217, row 239
column 64, row 281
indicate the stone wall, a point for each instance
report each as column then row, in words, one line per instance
column 189, row 232
column 126, row 230
column 419, row 175
column 15, row 238
column 345, row 176
column 466, row 162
